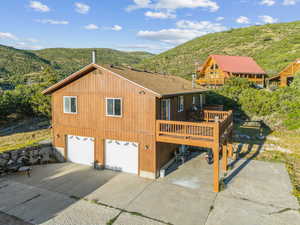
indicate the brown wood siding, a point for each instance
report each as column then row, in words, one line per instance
column 218, row 73
column 289, row 72
column 137, row 123
column 175, row 115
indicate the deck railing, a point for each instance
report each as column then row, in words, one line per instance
column 211, row 81
column 218, row 124
column 221, row 81
column 214, row 115
column 185, row 129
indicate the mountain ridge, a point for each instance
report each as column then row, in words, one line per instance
column 15, row 61
column 273, row 46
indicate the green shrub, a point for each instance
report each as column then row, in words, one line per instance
column 240, row 95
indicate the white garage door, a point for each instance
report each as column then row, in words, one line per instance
column 81, row 149
column 121, row 156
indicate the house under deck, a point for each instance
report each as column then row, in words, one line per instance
column 213, row 131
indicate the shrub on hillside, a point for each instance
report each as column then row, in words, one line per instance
column 240, row 95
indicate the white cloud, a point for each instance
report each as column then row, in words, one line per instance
column 38, row 6
column 185, row 31
column 289, row 2
column 32, row 40
column 96, row 27
column 24, row 45
column 268, row 19
column 243, row 20
column 220, row 18
column 117, row 28
column 204, row 26
column 82, row 8
column 7, row 36
column 267, row 2
column 148, row 47
column 175, row 4
column 171, row 36
column 53, row 22
column 91, row 27
column 160, row 15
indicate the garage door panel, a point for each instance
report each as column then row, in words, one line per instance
column 121, row 156
column 81, row 149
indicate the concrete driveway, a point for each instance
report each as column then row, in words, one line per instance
column 259, row 193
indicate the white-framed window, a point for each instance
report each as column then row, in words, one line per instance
column 113, row 107
column 180, row 103
column 70, row 104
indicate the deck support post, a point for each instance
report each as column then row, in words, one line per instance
column 224, row 157
column 216, row 152
column 230, row 147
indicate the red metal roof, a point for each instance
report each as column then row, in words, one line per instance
column 238, row 64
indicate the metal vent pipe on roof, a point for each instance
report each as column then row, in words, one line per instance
column 93, row 56
column 193, row 80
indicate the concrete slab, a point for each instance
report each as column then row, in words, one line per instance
column 6, row 219
column 234, row 211
column 13, row 194
column 31, row 204
column 195, row 174
column 258, row 190
column 120, row 190
column 130, row 219
column 173, row 204
column 84, row 213
column 66, row 178
column 263, row 182
column 41, row 208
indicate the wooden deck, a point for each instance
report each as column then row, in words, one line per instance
column 211, row 81
column 214, row 131
column 221, row 81
column 202, row 134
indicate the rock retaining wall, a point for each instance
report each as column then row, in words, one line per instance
column 40, row 154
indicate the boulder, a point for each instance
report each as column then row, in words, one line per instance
column 33, row 160
column 45, row 150
column 3, row 162
column 5, row 155
column 14, row 155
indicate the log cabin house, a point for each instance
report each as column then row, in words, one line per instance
column 286, row 76
column 132, row 121
column 217, row 68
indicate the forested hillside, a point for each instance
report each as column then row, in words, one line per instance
column 70, row 60
column 274, row 46
column 15, row 63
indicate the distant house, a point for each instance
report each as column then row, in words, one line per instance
column 217, row 68
column 286, row 76
column 132, row 121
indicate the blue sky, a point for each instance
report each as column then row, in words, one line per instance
column 131, row 25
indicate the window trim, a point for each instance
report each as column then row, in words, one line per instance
column 64, row 97
column 121, row 107
column 179, row 103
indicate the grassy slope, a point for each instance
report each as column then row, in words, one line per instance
column 23, row 139
column 273, row 46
